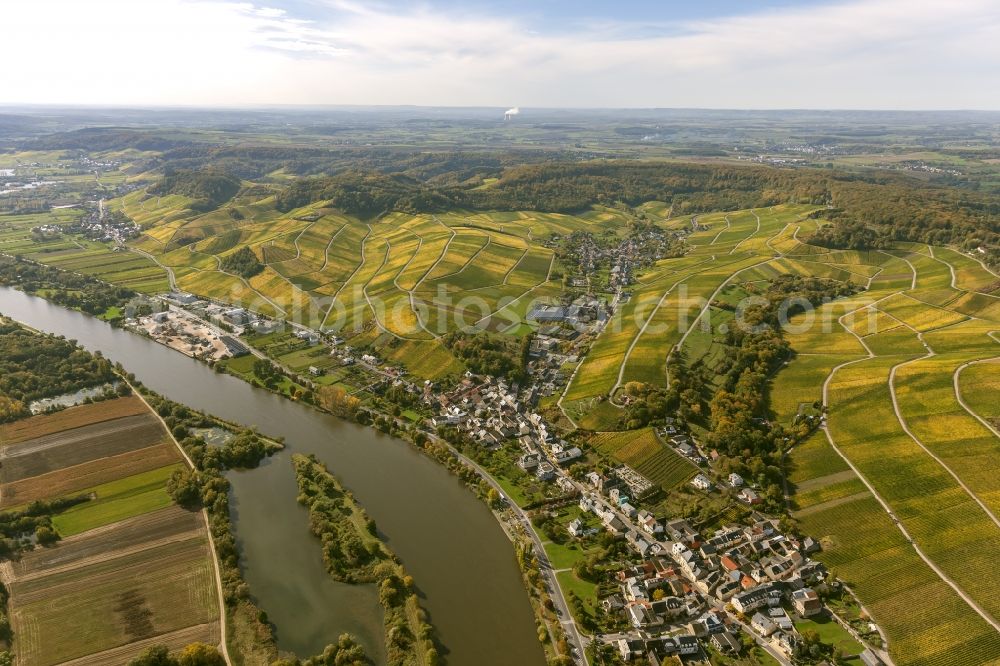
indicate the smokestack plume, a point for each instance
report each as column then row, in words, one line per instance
column 510, row 113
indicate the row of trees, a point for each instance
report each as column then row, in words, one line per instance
column 353, row 555
column 80, row 292
column 195, row 654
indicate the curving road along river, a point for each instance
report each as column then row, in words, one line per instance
column 449, row 541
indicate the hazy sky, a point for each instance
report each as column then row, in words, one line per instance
column 886, row 54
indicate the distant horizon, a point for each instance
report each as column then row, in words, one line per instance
column 637, row 54
column 524, row 110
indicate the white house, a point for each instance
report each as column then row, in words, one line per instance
column 701, row 482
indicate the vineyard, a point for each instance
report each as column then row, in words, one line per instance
column 900, row 484
column 643, row 451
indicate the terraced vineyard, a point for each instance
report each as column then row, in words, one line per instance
column 399, row 283
column 643, row 451
column 901, row 484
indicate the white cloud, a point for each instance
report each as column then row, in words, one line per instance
column 861, row 54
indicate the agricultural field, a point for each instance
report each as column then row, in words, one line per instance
column 78, row 255
column 643, row 451
column 131, row 568
column 979, row 385
column 898, row 367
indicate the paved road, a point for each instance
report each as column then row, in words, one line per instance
column 577, row 641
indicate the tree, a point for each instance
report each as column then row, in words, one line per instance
column 336, row 400
column 200, row 654
column 184, row 487
column 46, row 535
column 157, row 655
column 11, row 409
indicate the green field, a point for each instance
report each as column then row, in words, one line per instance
column 117, row 500
column 831, row 633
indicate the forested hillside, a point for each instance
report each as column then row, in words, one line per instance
column 208, row 188
column 867, row 210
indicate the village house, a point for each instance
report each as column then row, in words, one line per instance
column 780, row 618
column 649, row 523
column 806, row 602
column 545, row 471
column 763, row 625
column 701, row 482
column 631, row 648
column 530, row 461
column 578, row 529
column 752, row 599
column 726, row 643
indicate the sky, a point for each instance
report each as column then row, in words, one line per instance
column 733, row 54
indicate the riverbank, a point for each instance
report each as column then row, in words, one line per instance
column 449, row 544
column 538, row 584
column 247, row 638
column 353, row 553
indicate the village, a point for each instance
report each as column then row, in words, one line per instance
column 683, row 591
column 611, row 266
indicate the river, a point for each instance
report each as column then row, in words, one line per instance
column 451, row 544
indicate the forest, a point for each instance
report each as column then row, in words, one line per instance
column 35, row 366
column 209, row 188
column 243, row 262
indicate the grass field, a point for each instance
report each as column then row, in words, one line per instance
column 117, row 500
column 831, row 633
